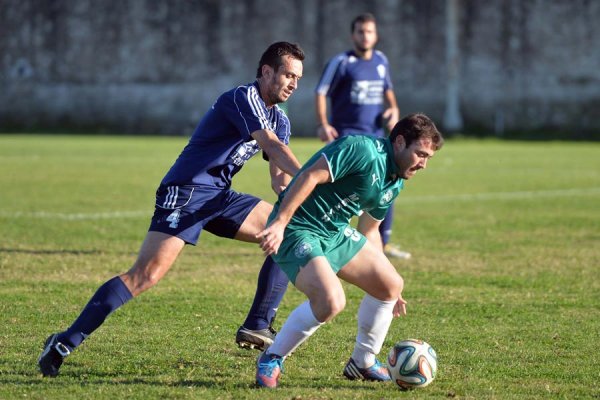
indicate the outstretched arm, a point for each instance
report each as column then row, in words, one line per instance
column 278, row 152
column 279, row 179
column 305, row 183
column 326, row 132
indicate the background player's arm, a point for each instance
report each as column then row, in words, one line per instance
column 369, row 227
column 279, row 179
column 326, row 132
column 391, row 115
column 305, row 183
column 278, row 153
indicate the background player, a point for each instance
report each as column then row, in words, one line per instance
column 360, row 90
column 195, row 194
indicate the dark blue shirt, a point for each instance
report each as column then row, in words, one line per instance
column 356, row 89
column 221, row 143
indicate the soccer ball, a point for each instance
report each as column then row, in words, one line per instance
column 412, row 364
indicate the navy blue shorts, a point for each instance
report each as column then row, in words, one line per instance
column 184, row 211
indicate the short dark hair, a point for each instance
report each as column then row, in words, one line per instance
column 361, row 19
column 274, row 54
column 416, row 126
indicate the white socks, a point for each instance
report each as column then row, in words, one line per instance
column 298, row 327
column 374, row 320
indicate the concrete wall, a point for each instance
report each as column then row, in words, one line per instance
column 150, row 66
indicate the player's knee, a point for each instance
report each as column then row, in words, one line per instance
column 400, row 285
column 393, row 288
column 331, row 306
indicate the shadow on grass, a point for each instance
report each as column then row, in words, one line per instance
column 77, row 374
column 66, row 379
column 46, row 252
column 210, row 252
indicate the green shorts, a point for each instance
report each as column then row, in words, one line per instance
column 299, row 247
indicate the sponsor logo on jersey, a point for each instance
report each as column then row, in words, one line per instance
column 386, row 198
column 367, row 92
column 302, row 250
column 244, row 152
column 375, row 179
column 343, row 203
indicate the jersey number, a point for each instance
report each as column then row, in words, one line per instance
column 174, row 219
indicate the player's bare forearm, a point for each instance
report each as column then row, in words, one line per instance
column 283, row 157
column 302, row 188
column 392, row 112
column 321, row 109
column 369, row 227
column 279, row 179
column 374, row 237
column 390, row 100
column 272, row 236
column 325, row 132
column 278, row 152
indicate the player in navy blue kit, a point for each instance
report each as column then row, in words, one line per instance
column 359, row 86
column 360, row 90
column 196, row 193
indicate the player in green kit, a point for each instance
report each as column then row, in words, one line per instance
column 309, row 236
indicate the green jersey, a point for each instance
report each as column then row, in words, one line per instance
column 364, row 178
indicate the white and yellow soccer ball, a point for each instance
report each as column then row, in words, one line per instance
column 412, row 364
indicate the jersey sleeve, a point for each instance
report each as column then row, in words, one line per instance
column 347, row 159
column 331, row 75
column 385, row 202
column 387, row 80
column 283, row 130
column 245, row 110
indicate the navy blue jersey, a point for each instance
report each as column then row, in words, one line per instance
column 221, row 143
column 356, row 88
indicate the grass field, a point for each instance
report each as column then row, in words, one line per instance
column 504, row 282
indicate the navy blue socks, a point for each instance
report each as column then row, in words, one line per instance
column 110, row 296
column 272, row 284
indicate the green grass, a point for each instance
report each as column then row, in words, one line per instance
column 504, row 283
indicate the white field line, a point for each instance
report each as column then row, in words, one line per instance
column 76, row 216
column 406, row 200
column 533, row 194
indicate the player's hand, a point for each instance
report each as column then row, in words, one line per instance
column 327, row 133
column 271, row 238
column 400, row 307
column 391, row 116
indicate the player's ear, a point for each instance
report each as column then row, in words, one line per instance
column 399, row 143
column 267, row 71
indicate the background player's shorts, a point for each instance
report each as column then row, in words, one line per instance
column 299, row 247
column 184, row 211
